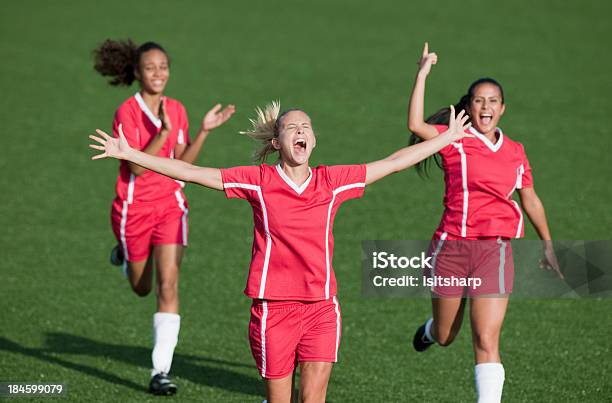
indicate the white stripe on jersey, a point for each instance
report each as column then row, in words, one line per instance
column 466, row 194
column 132, row 184
column 143, row 106
column 520, row 224
column 329, row 210
column 264, row 275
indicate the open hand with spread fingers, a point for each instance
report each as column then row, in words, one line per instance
column 112, row 147
column 216, row 117
column 458, row 125
column 427, row 60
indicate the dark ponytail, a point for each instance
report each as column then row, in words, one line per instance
column 442, row 116
column 119, row 59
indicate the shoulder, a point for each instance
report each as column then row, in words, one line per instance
column 440, row 128
column 340, row 175
column 174, row 104
column 246, row 174
column 127, row 109
column 128, row 105
column 514, row 145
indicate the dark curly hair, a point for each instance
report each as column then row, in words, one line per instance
column 442, row 116
column 118, row 59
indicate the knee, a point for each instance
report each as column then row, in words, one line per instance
column 167, row 288
column 445, row 336
column 141, row 290
column 487, row 341
column 313, row 393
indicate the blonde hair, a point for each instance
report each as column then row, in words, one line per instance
column 264, row 130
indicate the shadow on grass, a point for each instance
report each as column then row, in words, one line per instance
column 197, row 369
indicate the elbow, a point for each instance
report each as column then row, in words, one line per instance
column 137, row 171
column 412, row 126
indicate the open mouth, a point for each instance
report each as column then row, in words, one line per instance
column 486, row 118
column 299, row 145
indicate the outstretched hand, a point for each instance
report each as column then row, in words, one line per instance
column 458, row 125
column 427, row 60
column 112, row 147
column 216, row 117
column 549, row 261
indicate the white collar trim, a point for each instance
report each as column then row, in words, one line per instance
column 157, row 122
column 298, row 189
column 484, row 139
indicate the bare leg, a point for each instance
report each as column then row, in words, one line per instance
column 487, row 316
column 280, row 390
column 140, row 276
column 314, row 377
column 447, row 319
column 168, row 260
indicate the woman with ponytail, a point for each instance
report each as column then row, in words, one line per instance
column 149, row 213
column 295, row 315
column 473, row 238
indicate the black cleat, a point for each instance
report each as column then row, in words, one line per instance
column 116, row 257
column 420, row 342
column 161, row 384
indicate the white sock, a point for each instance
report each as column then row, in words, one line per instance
column 165, row 336
column 489, row 379
column 428, row 329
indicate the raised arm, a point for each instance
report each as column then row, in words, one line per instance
column 120, row 149
column 213, row 119
column 408, row 156
column 416, row 122
column 535, row 212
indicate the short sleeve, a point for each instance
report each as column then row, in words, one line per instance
column 124, row 118
column 183, row 131
column 525, row 171
column 440, row 128
column 241, row 182
column 347, row 181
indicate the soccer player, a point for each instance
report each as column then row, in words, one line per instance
column 149, row 213
column 295, row 315
column 481, row 174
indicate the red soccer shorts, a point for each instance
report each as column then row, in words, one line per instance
column 139, row 226
column 282, row 333
column 474, row 267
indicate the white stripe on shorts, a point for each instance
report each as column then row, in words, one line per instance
column 263, row 338
column 502, row 264
column 181, row 204
column 337, row 328
column 124, row 247
column 435, row 255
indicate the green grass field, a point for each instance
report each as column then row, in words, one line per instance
column 68, row 316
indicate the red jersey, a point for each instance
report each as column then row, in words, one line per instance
column 140, row 126
column 293, row 242
column 480, row 178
